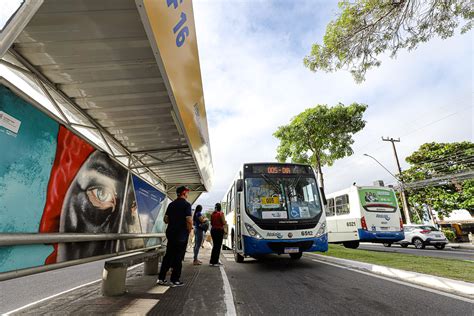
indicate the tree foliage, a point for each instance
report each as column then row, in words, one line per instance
column 320, row 135
column 365, row 29
column 438, row 160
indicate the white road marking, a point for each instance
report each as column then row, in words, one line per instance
column 465, row 299
column 61, row 293
column 228, row 297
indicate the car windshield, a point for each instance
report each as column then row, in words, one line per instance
column 431, row 228
column 294, row 198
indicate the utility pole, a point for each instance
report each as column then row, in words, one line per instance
column 403, row 195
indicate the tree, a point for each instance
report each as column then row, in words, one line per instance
column 365, row 29
column 320, row 135
column 441, row 175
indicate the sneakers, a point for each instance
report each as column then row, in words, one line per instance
column 215, row 264
column 172, row 284
column 177, row 284
column 162, row 282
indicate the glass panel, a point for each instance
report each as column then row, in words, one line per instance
column 342, row 204
column 430, row 228
column 330, row 208
column 265, row 199
column 282, row 198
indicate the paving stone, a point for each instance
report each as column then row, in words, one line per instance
column 143, row 296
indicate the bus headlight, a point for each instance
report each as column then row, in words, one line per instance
column 252, row 231
column 322, row 230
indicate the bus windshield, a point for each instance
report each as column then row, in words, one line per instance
column 285, row 198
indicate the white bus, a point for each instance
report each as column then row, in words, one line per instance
column 363, row 214
column 274, row 208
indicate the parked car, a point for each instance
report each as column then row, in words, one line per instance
column 421, row 236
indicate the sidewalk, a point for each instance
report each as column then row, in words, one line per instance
column 202, row 294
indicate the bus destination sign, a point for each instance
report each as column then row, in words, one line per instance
column 280, row 169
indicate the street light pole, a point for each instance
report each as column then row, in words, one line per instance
column 402, row 191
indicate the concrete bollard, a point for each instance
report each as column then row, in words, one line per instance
column 113, row 281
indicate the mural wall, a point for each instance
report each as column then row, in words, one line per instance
column 53, row 181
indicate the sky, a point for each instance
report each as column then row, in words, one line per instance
column 251, row 55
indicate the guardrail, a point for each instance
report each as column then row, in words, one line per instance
column 16, row 239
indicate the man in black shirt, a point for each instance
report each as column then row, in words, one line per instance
column 179, row 219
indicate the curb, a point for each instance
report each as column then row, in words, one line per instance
column 461, row 246
column 465, row 289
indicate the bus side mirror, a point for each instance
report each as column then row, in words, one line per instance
column 240, row 185
column 323, row 196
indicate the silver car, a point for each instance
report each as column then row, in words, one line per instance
column 423, row 235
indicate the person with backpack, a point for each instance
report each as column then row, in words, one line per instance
column 201, row 225
column 218, row 223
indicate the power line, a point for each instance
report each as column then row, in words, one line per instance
column 441, row 180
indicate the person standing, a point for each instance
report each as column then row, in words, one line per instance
column 178, row 216
column 200, row 225
column 217, row 233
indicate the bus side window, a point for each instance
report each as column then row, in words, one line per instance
column 342, row 204
column 229, row 209
column 330, row 208
column 231, row 198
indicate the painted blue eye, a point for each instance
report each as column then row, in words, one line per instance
column 102, row 197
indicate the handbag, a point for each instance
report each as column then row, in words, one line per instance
column 204, row 226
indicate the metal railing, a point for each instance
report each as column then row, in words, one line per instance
column 18, row 239
column 15, row 239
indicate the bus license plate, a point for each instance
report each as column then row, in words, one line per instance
column 292, row 249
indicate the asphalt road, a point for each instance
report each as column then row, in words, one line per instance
column 277, row 285
column 274, row 285
column 446, row 253
column 18, row 292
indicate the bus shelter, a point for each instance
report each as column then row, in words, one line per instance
column 113, row 91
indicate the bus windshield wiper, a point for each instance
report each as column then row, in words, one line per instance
column 293, row 185
column 272, row 183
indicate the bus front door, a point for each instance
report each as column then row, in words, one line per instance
column 238, row 224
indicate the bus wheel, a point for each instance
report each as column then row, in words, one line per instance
column 296, row 256
column 354, row 244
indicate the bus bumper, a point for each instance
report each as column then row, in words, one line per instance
column 254, row 246
column 380, row 236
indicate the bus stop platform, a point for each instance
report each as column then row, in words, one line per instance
column 202, row 294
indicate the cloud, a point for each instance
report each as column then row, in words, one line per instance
column 254, row 81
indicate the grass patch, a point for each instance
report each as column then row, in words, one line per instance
column 448, row 268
